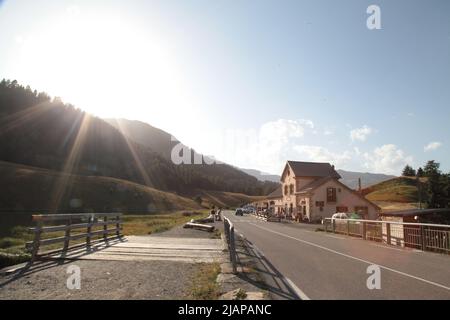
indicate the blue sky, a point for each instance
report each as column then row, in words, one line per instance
column 253, row 83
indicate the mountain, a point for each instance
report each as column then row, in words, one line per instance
column 350, row 178
column 163, row 143
column 46, row 133
column 261, row 176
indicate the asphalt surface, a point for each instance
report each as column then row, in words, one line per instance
column 330, row 266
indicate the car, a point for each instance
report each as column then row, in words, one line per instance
column 340, row 215
column 239, row 212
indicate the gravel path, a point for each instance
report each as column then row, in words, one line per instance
column 104, row 280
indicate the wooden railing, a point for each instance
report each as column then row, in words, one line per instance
column 48, row 223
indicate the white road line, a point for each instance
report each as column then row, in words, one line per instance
column 297, row 290
column 357, row 259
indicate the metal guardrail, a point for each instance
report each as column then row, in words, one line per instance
column 229, row 235
column 423, row 236
column 96, row 224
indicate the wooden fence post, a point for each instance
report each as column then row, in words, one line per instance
column 105, row 228
column 118, row 226
column 67, row 236
column 89, row 230
column 36, row 242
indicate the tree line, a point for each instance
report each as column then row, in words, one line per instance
column 437, row 183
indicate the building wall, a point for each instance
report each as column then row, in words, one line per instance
column 344, row 198
column 290, row 198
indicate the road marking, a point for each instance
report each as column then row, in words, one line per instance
column 291, row 284
column 297, row 290
column 355, row 258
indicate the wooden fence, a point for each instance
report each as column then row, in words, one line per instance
column 95, row 224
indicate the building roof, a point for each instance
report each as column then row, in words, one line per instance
column 313, row 169
column 415, row 212
column 277, row 193
column 314, row 184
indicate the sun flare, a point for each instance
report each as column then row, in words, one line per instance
column 102, row 63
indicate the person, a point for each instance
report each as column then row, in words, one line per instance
column 218, row 215
column 213, row 212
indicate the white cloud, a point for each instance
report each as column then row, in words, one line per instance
column 321, row 154
column 360, row 134
column 387, row 159
column 432, row 146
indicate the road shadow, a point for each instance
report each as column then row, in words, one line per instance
column 260, row 272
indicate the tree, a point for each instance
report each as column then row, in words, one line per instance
column 431, row 168
column 408, row 171
column 420, row 172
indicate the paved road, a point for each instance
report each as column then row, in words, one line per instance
column 329, row 266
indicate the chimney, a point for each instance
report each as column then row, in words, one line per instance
column 359, row 185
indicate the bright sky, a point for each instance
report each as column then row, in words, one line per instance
column 252, row 82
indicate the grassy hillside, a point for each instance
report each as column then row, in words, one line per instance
column 223, row 199
column 401, row 189
column 26, row 188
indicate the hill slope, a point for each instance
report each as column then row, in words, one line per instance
column 28, row 189
column 45, row 133
column 225, row 177
column 401, row 189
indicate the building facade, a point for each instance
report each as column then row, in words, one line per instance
column 312, row 191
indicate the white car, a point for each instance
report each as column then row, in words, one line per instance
column 340, row 215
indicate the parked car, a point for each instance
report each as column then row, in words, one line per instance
column 239, row 212
column 340, row 215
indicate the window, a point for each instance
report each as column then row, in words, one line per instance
column 320, row 203
column 286, row 190
column 291, row 189
column 331, row 194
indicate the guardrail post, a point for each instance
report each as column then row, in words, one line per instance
column 333, row 221
column 423, row 238
column 233, row 250
column 325, row 222
column 364, row 230
column 388, row 233
column 348, row 227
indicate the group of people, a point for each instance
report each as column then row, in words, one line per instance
column 216, row 214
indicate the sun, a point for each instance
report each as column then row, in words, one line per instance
column 104, row 63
